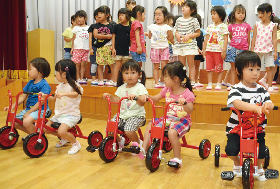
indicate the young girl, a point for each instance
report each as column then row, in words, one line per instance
column 68, row 36
column 39, row 68
column 178, row 121
column 80, row 45
column 239, row 33
column 68, row 97
column 160, row 33
column 132, row 112
column 170, row 21
column 137, row 35
column 103, row 33
column 215, row 46
column 187, row 29
column 264, row 41
column 121, row 41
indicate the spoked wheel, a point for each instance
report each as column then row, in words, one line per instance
column 95, row 138
column 167, row 146
column 8, row 140
column 247, row 174
column 204, row 148
column 217, row 155
column 127, row 140
column 106, row 152
column 32, row 147
column 266, row 158
column 152, row 160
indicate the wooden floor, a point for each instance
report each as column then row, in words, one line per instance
column 57, row 169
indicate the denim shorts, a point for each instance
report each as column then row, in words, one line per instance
column 69, row 120
column 33, row 114
column 277, row 62
column 138, row 57
column 232, row 52
column 67, row 55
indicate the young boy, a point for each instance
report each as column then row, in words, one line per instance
column 247, row 96
column 215, row 45
column 68, row 36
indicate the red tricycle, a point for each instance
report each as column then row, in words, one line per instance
column 36, row 144
column 8, row 134
column 109, row 147
column 159, row 141
column 249, row 149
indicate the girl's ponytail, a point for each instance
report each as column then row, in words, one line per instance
column 143, row 79
column 72, row 82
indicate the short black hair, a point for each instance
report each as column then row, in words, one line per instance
column 245, row 59
column 192, row 5
column 220, row 10
column 266, row 7
column 237, row 7
column 81, row 13
column 136, row 9
column 104, row 9
column 198, row 17
column 95, row 13
column 277, row 20
column 175, row 19
column 73, row 18
column 131, row 1
column 42, row 66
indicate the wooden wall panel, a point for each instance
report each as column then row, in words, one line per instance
column 3, row 82
column 15, row 87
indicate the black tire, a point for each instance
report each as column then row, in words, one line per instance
column 95, row 138
column 30, row 142
column 152, row 161
column 167, row 146
column 127, row 140
column 217, row 155
column 5, row 142
column 247, row 174
column 204, row 148
column 106, row 152
column 266, row 158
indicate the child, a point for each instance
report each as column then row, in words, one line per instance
column 178, row 121
column 187, row 29
column 160, row 33
column 170, row 21
column 137, row 35
column 132, row 112
column 80, row 45
column 215, row 46
column 39, row 69
column 67, row 101
column 130, row 4
column 92, row 46
column 68, row 36
column 198, row 58
column 103, row 33
column 121, row 41
column 247, row 96
column 239, row 33
column 264, row 42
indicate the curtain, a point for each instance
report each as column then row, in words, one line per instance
column 13, row 39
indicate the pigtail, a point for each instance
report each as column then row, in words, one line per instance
column 143, row 79
column 72, row 82
column 120, row 79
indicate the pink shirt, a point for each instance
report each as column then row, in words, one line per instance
column 264, row 38
column 176, row 110
column 136, row 24
column 239, row 33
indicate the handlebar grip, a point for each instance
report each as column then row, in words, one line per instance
column 29, row 93
column 178, row 102
column 275, row 108
column 135, row 98
column 53, row 95
column 225, row 109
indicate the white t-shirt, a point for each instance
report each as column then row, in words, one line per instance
column 130, row 108
column 66, row 105
column 159, row 36
column 82, row 37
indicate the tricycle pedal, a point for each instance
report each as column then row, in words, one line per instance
column 173, row 164
column 91, row 148
column 39, row 146
column 271, row 174
column 227, row 175
column 132, row 149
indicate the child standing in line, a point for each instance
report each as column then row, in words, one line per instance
column 215, row 46
column 198, row 58
column 67, row 101
column 80, row 45
column 178, row 120
column 248, row 97
column 132, row 112
column 121, row 41
column 169, row 21
column 39, row 68
column 103, row 33
column 130, row 4
column 137, row 35
column 264, row 42
column 187, row 29
column 159, row 34
column 68, row 36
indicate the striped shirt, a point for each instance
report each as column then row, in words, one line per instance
column 257, row 95
column 185, row 27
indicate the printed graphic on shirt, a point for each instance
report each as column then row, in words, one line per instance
column 103, row 31
column 214, row 39
column 175, row 109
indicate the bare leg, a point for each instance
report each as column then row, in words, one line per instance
column 140, row 63
column 220, row 75
column 100, row 72
column 269, row 76
column 232, row 73
column 147, row 137
column 63, row 133
column 78, row 67
column 235, row 159
column 175, row 143
column 196, row 64
column 21, row 127
column 112, row 70
column 83, row 68
column 190, row 59
column 260, row 162
column 118, row 65
column 163, row 63
column 210, row 76
column 133, row 136
column 156, row 72
column 28, row 123
column 182, row 59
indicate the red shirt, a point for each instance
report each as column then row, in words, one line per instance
column 136, row 24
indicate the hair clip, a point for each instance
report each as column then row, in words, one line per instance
column 66, row 68
column 273, row 14
column 184, row 68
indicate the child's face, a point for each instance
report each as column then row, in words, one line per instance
column 215, row 17
column 168, row 81
column 58, row 76
column 186, row 10
column 101, row 16
column 130, row 6
column 33, row 72
column 250, row 75
column 170, row 22
column 122, row 18
column 263, row 16
column 73, row 22
column 97, row 19
column 239, row 15
column 141, row 16
column 159, row 17
column 130, row 76
column 80, row 20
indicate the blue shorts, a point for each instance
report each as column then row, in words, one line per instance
column 138, row 57
column 276, row 62
column 69, row 120
column 67, row 54
column 33, row 114
column 232, row 52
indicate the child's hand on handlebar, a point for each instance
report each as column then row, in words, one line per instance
column 259, row 110
column 105, row 94
column 143, row 98
column 181, row 101
column 43, row 94
column 58, row 95
column 6, row 108
column 268, row 106
column 131, row 97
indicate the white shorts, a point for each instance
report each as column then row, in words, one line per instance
column 268, row 60
column 69, row 120
column 185, row 51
